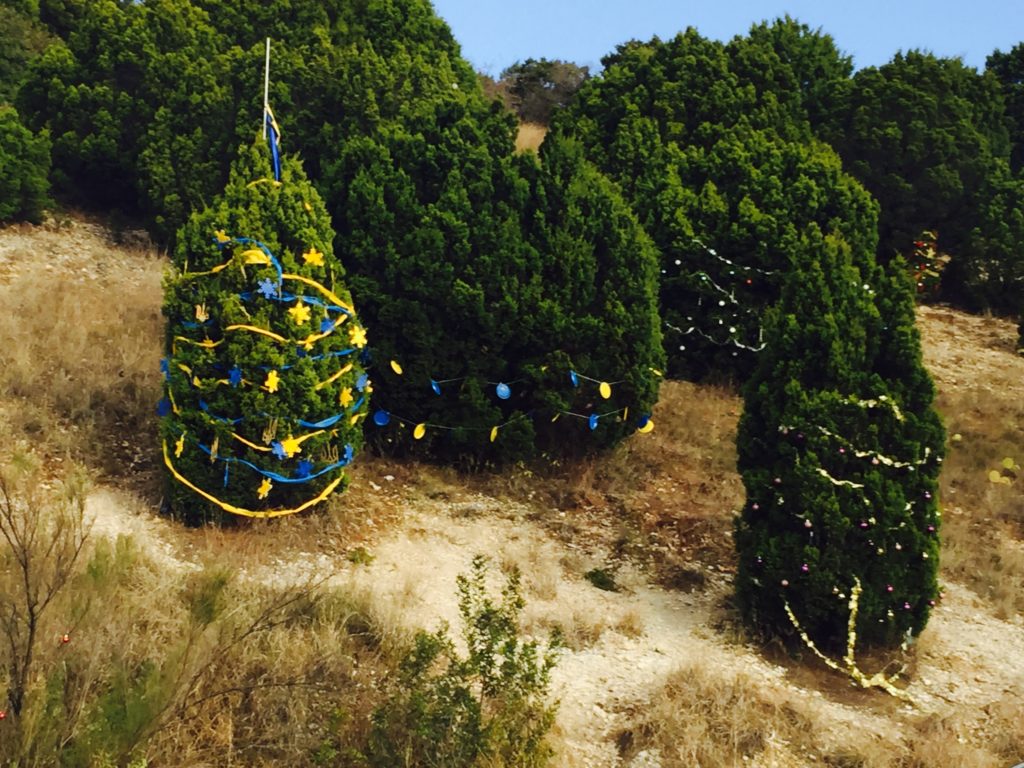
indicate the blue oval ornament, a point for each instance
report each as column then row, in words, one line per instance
column 592, row 421
column 503, row 391
column 435, row 386
column 574, row 378
column 382, row 418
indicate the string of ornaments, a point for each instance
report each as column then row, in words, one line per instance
column 503, row 391
column 842, row 447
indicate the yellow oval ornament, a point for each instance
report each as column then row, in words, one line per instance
column 396, row 367
column 419, row 431
column 494, row 434
column 605, row 389
column 648, row 427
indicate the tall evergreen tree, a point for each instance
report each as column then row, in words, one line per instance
column 265, row 388
column 712, row 147
column 927, row 136
column 840, row 449
column 1009, row 70
column 25, row 160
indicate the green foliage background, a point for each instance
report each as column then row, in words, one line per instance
column 25, row 161
column 711, row 145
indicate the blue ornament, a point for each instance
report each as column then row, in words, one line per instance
column 381, row 418
column 235, row 376
column 267, row 288
column 574, row 378
column 350, row 452
column 362, row 382
column 503, row 391
column 279, row 450
column 163, row 407
column 435, row 386
column 592, row 421
column 326, row 325
column 304, row 468
column 643, row 421
column 165, row 368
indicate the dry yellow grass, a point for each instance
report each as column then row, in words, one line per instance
column 530, row 136
column 80, row 345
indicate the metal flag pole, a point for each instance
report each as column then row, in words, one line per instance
column 266, row 89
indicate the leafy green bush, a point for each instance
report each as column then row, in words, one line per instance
column 264, row 381
column 927, row 136
column 476, row 269
column 840, row 450
column 723, row 175
column 488, row 708
column 25, row 159
column 455, row 244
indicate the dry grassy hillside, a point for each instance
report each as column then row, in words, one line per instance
column 656, row 672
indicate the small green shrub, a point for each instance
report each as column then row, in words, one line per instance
column 488, row 708
column 602, row 579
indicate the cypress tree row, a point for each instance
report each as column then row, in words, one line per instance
column 265, row 387
column 840, row 450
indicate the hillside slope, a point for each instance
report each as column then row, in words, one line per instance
column 655, row 516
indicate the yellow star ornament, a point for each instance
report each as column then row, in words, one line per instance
column 345, row 398
column 357, row 335
column 313, row 258
column 264, row 490
column 272, row 382
column 300, row 314
column 291, row 446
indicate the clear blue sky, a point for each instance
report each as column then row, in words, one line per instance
column 496, row 34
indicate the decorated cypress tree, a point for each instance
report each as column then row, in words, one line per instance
column 264, row 384
column 840, row 450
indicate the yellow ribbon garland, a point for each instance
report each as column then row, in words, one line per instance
column 248, row 512
column 252, row 445
column 324, row 290
column 263, row 331
column 333, row 378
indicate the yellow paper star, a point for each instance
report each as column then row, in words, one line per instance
column 300, row 313
column 357, row 335
column 345, row 398
column 264, row 490
column 221, row 236
column 272, row 381
column 291, row 446
column 313, row 258
column 179, row 446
